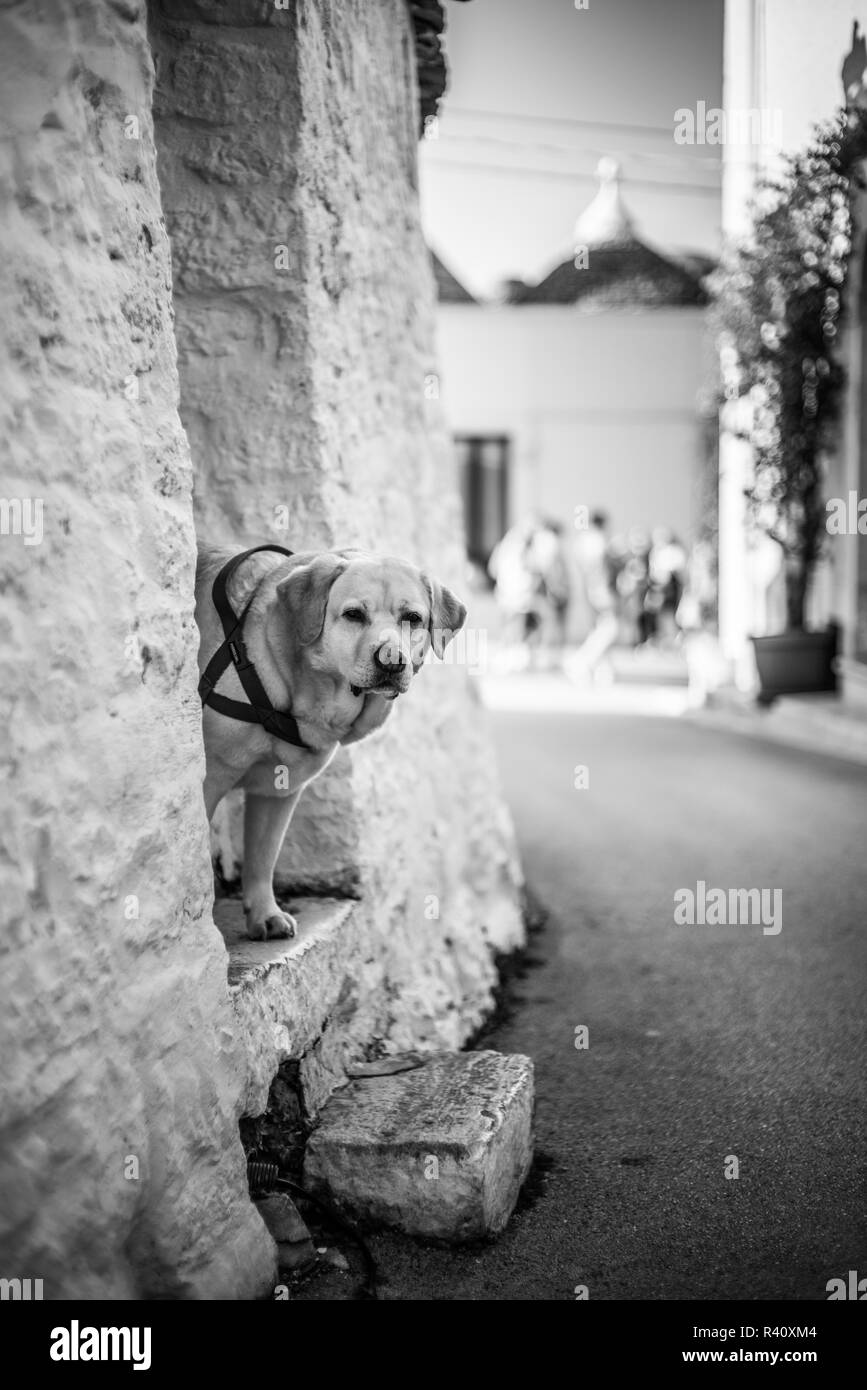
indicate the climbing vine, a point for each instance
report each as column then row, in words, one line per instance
column 778, row 309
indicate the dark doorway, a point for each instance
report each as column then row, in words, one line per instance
column 483, row 462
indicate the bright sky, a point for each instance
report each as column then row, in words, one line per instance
column 539, row 90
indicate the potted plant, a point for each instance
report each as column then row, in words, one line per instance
column 778, row 310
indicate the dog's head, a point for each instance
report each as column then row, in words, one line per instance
column 369, row 618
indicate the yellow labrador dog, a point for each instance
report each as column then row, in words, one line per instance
column 298, row 655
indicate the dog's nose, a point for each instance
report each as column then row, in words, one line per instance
column 389, row 660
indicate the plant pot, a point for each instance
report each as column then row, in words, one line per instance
column 796, row 663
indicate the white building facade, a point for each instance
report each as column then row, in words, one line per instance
column 583, row 392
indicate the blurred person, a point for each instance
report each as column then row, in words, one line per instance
column 632, row 588
column 696, row 619
column 666, row 572
column 532, row 587
column 616, row 557
column 594, row 567
column 518, row 592
column 547, row 557
column 697, row 608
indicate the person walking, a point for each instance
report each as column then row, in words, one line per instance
column 588, row 662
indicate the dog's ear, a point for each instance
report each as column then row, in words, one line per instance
column 305, row 593
column 447, row 614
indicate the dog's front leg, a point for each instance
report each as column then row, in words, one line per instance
column 218, row 781
column 266, row 820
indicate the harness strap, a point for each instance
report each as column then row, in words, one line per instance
column 232, row 651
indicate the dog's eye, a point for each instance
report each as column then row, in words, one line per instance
column 355, row 615
column 414, row 619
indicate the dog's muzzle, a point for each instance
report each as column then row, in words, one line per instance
column 391, row 668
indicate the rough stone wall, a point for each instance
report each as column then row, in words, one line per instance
column 305, row 384
column 117, row 1036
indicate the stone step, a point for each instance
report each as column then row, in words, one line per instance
column 818, row 723
column 284, row 992
column 439, row 1151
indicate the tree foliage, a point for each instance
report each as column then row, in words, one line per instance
column 778, row 309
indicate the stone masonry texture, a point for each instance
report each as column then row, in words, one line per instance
column 221, row 197
column 118, row 1039
column 304, row 318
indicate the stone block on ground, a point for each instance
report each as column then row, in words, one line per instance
column 439, row 1151
column 283, row 992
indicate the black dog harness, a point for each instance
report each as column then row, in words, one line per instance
column 232, row 650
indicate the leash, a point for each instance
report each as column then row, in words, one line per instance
column 232, row 651
column 264, row 1178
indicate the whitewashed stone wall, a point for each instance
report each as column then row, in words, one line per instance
column 306, row 384
column 302, row 387
column 115, row 1029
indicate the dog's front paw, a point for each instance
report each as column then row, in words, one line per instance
column 281, row 924
column 262, row 927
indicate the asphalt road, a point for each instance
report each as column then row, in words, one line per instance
column 704, row 1042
